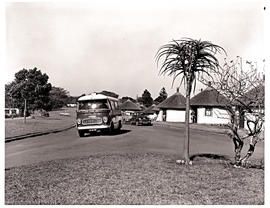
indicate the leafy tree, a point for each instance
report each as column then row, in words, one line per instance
column 162, row 96
column 188, row 58
column 244, row 91
column 59, row 97
column 146, row 98
column 9, row 102
column 72, row 99
column 31, row 90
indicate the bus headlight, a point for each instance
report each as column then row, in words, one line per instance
column 79, row 121
column 105, row 119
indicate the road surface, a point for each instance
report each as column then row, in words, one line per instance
column 137, row 139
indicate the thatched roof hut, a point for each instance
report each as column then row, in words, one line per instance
column 176, row 101
column 129, row 106
column 209, row 107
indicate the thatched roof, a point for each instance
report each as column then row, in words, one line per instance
column 129, row 105
column 151, row 110
column 209, row 97
column 176, row 101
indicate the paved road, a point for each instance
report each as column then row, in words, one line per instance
column 131, row 139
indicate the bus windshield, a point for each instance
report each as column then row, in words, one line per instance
column 93, row 104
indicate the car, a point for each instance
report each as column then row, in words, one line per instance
column 140, row 119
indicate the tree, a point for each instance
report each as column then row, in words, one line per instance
column 244, row 91
column 162, row 96
column 31, row 90
column 188, row 58
column 9, row 102
column 59, row 97
column 146, row 98
column 72, row 99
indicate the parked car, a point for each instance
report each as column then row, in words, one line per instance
column 140, row 119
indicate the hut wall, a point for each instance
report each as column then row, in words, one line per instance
column 218, row 116
column 159, row 116
column 175, row 115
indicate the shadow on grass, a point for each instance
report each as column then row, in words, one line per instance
column 210, row 156
column 253, row 164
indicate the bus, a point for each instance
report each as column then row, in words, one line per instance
column 98, row 112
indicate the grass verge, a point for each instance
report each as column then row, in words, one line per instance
column 17, row 127
column 133, row 179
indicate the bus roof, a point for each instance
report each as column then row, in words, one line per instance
column 95, row 96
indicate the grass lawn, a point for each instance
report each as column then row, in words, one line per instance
column 16, row 127
column 133, row 179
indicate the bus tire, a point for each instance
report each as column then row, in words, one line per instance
column 111, row 129
column 81, row 133
column 119, row 126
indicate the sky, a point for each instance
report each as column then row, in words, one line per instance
column 111, row 45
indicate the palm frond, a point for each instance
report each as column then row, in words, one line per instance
column 188, row 58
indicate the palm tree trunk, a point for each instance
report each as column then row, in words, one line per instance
column 187, row 136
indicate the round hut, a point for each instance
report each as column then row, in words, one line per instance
column 173, row 108
column 209, row 107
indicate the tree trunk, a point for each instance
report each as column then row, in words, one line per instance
column 253, row 142
column 238, row 146
column 24, row 112
column 186, row 142
column 241, row 118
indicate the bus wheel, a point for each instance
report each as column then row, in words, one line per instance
column 111, row 130
column 81, row 133
column 119, row 126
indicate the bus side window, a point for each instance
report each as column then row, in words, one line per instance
column 112, row 104
column 116, row 105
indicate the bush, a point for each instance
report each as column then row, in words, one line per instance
column 45, row 113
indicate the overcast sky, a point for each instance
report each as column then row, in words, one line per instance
column 110, row 45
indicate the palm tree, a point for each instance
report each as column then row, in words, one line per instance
column 188, row 58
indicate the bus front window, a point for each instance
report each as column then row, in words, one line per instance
column 93, row 104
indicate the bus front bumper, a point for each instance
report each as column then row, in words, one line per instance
column 93, row 127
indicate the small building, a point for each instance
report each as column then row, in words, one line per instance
column 128, row 109
column 173, row 108
column 209, row 107
column 9, row 112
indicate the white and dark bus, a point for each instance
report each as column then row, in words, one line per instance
column 96, row 112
